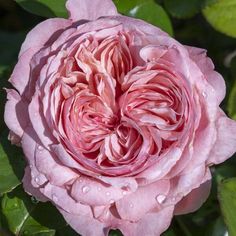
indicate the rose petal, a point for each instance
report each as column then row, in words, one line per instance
column 134, row 206
column 29, row 188
column 152, row 224
column 225, row 144
column 86, row 10
column 85, row 225
column 206, row 65
column 15, row 114
column 194, row 199
column 44, row 33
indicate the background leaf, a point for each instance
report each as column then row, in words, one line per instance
column 45, row 8
column 183, row 8
column 148, row 11
column 232, row 102
column 27, row 217
column 227, row 198
column 222, row 16
column 11, row 164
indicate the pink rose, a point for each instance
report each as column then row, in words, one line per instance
column 118, row 121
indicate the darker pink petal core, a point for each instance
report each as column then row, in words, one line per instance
column 84, row 10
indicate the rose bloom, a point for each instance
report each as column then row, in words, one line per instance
column 118, row 121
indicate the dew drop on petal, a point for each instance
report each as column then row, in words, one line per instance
column 131, row 205
column 36, row 179
column 108, row 193
column 112, row 201
column 173, row 199
column 99, row 189
column 54, row 198
column 204, row 94
column 124, row 192
column 161, row 198
column 85, row 189
column 40, row 148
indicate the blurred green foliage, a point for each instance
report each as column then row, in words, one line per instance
column 188, row 21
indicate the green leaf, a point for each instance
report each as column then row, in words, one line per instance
column 218, row 228
column 154, row 14
column 222, row 16
column 124, row 6
column 16, row 208
column 227, row 198
column 115, row 233
column 9, row 47
column 45, row 8
column 183, row 8
column 232, row 103
column 11, row 165
column 25, row 217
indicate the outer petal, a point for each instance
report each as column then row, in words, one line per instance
column 21, row 73
column 29, row 188
column 86, row 226
column 15, row 114
column 225, row 145
column 90, row 10
column 44, row 33
column 206, row 65
column 152, row 224
column 194, row 199
column 134, row 206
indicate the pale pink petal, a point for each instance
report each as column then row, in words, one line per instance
column 207, row 67
column 84, row 189
column 194, row 199
column 44, row 33
column 152, row 224
column 29, row 146
column 187, row 180
column 45, row 162
column 15, row 114
column 225, row 145
column 87, row 10
column 39, row 123
column 134, row 206
column 29, row 188
column 21, row 73
column 61, row 198
column 87, row 226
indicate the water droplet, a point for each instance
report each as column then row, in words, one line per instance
column 161, row 198
column 108, row 193
column 99, row 189
column 54, row 198
column 40, row 148
column 15, row 205
column 34, row 200
column 124, row 192
column 112, row 201
column 173, row 199
column 85, row 189
column 36, row 179
column 204, row 94
column 80, row 180
column 131, row 205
